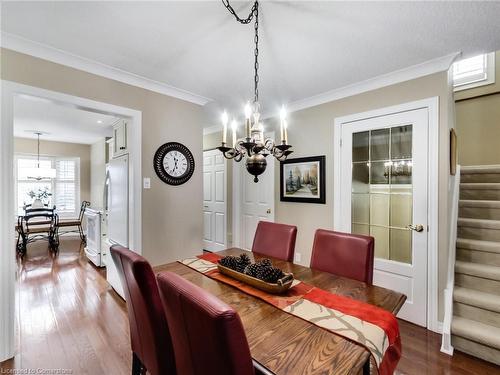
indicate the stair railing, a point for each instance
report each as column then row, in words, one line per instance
column 446, row 346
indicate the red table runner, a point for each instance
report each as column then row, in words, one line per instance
column 370, row 326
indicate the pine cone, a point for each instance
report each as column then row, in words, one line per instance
column 272, row 275
column 265, row 262
column 229, row 262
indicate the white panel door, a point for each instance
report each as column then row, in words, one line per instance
column 384, row 194
column 256, row 201
column 214, row 201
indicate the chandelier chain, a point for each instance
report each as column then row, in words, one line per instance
column 254, row 13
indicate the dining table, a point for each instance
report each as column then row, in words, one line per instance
column 282, row 343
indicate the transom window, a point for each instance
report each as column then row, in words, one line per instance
column 474, row 71
column 62, row 191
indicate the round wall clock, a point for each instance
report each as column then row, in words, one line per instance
column 173, row 163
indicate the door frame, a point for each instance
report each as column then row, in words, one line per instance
column 8, row 284
column 432, row 106
column 237, row 194
column 225, row 191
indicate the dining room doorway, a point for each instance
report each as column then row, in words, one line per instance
column 383, row 189
column 252, row 201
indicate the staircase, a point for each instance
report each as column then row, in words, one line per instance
column 475, row 326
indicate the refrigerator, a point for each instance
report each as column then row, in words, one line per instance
column 117, row 198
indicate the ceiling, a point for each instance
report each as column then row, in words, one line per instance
column 307, row 47
column 59, row 122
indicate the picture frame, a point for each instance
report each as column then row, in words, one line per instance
column 453, row 152
column 303, row 180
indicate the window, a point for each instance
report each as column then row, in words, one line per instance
column 474, row 71
column 62, row 191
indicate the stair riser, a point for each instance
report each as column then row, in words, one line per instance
column 475, row 313
column 480, row 213
column 480, row 177
column 477, row 350
column 480, row 194
column 476, row 256
column 478, row 233
column 478, row 283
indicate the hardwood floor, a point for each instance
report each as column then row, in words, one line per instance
column 70, row 319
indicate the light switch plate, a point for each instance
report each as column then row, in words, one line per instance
column 298, row 257
column 146, row 183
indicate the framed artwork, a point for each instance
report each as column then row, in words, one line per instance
column 453, row 152
column 303, row 180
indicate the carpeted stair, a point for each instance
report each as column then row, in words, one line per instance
column 475, row 326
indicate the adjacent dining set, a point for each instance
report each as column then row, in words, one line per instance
column 191, row 319
column 43, row 223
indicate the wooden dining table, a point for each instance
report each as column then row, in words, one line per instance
column 283, row 343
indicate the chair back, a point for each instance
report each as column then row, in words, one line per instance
column 39, row 217
column 83, row 207
column 149, row 334
column 207, row 334
column 275, row 240
column 344, row 254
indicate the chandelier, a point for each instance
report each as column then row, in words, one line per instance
column 40, row 173
column 253, row 145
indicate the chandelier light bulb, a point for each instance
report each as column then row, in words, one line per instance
column 248, row 111
column 283, row 113
column 225, row 118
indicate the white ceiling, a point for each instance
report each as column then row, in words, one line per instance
column 307, row 47
column 60, row 122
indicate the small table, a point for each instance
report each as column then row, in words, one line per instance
column 283, row 343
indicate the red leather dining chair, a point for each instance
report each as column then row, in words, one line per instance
column 344, row 254
column 275, row 240
column 207, row 334
column 150, row 338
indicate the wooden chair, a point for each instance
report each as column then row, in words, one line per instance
column 344, row 254
column 37, row 224
column 76, row 222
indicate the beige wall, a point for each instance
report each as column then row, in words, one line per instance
column 171, row 215
column 49, row 148
column 478, row 122
column 311, row 133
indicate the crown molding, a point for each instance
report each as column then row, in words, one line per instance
column 439, row 64
column 43, row 51
column 212, row 129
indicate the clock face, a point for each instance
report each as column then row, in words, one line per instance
column 173, row 163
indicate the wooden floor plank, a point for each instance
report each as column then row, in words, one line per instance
column 69, row 317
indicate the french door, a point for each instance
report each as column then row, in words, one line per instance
column 214, row 201
column 384, row 194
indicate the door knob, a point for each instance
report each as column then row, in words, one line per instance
column 416, row 228
column 268, row 211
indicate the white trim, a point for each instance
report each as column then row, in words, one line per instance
column 432, row 105
column 7, row 237
column 7, row 261
column 46, row 52
column 212, row 129
column 429, row 67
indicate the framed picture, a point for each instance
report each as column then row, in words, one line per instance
column 303, row 180
column 453, row 152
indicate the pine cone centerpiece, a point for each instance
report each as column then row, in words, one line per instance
column 238, row 263
column 272, row 275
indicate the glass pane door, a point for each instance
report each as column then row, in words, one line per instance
column 382, row 201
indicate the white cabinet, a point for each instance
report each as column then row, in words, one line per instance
column 120, row 138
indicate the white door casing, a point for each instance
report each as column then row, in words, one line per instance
column 214, row 201
column 252, row 201
column 418, row 278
